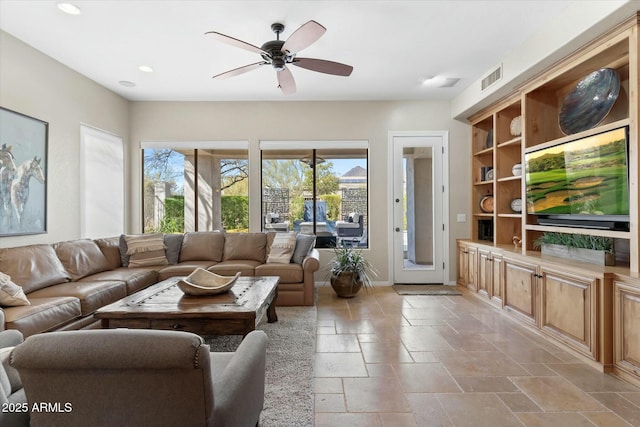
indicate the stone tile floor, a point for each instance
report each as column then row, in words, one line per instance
column 388, row 360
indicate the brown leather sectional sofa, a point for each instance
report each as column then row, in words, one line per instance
column 67, row 282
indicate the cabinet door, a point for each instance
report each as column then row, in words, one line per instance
column 472, row 268
column 495, row 291
column 462, row 264
column 520, row 286
column 485, row 272
column 568, row 309
column 626, row 333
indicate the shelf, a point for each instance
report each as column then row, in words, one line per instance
column 483, row 215
column 483, row 183
column 594, row 131
column 571, row 230
column 515, row 141
column 484, row 152
column 510, row 178
column 510, row 215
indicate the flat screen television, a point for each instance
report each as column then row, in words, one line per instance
column 581, row 183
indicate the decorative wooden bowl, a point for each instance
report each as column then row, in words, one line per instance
column 203, row 282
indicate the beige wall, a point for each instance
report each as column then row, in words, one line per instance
column 34, row 84
column 296, row 121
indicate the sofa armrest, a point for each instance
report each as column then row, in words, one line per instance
column 310, row 265
column 2, row 319
column 239, row 392
column 311, row 262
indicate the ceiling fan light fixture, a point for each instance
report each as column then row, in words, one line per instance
column 69, row 8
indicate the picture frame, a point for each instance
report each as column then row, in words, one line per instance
column 23, row 174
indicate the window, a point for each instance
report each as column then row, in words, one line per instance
column 195, row 187
column 322, row 190
column 101, row 183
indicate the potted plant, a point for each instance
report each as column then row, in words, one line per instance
column 580, row 247
column 350, row 271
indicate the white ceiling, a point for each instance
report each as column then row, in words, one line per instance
column 392, row 45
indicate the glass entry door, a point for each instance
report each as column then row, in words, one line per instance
column 418, row 200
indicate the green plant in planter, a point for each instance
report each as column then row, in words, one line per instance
column 584, row 241
column 350, row 271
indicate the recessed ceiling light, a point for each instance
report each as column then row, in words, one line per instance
column 145, row 68
column 127, row 83
column 69, row 8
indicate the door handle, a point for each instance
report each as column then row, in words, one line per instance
column 397, row 229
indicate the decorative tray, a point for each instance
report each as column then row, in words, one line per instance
column 203, row 282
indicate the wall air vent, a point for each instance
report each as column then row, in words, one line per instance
column 491, row 77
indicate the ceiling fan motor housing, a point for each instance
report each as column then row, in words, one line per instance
column 277, row 58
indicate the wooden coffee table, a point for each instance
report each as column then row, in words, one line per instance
column 165, row 306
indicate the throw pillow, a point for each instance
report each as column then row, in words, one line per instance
column 146, row 250
column 173, row 242
column 9, row 377
column 304, row 245
column 11, row 295
column 282, row 248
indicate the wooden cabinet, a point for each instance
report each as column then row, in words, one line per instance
column 485, row 272
column 521, row 289
column 497, row 282
column 568, row 304
column 626, row 330
column 490, row 276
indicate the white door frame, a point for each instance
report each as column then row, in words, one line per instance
column 445, row 197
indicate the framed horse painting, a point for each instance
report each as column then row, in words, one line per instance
column 23, row 174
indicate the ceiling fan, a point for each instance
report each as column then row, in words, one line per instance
column 280, row 53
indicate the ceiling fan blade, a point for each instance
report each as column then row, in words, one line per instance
column 239, row 70
column 286, row 83
column 323, row 66
column 304, row 37
column 235, row 42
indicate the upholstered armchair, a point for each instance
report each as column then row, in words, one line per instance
column 123, row 377
column 15, row 410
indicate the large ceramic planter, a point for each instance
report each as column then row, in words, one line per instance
column 580, row 254
column 344, row 286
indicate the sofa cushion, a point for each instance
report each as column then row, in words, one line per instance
column 134, row 278
column 44, row 314
column 110, row 248
column 281, row 249
column 33, row 267
column 304, row 245
column 183, row 269
column 92, row 294
column 173, row 243
column 288, row 273
column 81, row 258
column 245, row 246
column 11, row 295
column 202, row 246
column 229, row 268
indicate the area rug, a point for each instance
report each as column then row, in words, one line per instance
column 426, row 290
column 289, row 371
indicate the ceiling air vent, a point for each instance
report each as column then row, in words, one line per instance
column 492, row 77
